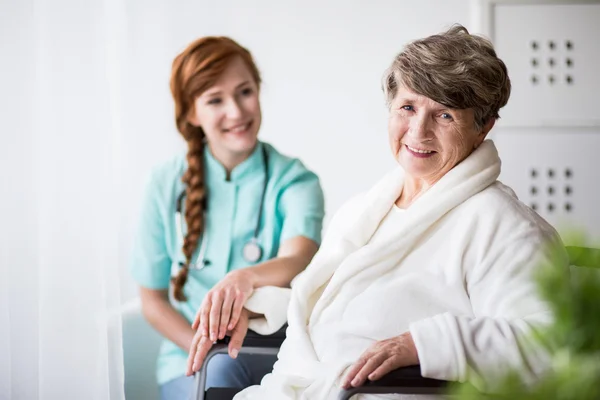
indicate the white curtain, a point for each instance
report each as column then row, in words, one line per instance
column 60, row 135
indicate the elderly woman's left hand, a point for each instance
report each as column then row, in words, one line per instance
column 382, row 357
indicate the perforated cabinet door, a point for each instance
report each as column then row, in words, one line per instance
column 552, row 53
column 549, row 133
column 556, row 172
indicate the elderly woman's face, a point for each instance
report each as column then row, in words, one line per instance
column 429, row 139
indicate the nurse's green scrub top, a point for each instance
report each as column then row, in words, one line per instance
column 294, row 206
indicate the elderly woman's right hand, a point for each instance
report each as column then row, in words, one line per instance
column 201, row 343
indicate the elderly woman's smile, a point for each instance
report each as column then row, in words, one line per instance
column 421, row 153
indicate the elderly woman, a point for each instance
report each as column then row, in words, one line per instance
column 433, row 265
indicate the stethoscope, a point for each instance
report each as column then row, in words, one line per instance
column 252, row 250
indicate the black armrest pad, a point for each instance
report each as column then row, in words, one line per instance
column 221, row 393
column 406, row 377
column 254, row 339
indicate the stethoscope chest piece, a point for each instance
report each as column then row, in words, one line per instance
column 252, row 252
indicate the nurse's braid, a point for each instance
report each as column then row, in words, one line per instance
column 195, row 200
column 194, row 71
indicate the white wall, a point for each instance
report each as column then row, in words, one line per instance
column 321, row 63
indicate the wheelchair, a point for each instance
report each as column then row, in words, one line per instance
column 406, row 380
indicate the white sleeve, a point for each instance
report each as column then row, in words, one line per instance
column 506, row 307
column 272, row 301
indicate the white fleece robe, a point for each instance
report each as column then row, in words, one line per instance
column 456, row 273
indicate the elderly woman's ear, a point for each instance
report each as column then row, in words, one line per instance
column 487, row 127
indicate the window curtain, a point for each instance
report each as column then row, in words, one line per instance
column 60, row 160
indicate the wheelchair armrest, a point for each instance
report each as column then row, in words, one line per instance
column 406, row 380
column 254, row 343
column 254, row 339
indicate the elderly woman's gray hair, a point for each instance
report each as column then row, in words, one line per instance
column 454, row 68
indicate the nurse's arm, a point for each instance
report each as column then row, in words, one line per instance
column 165, row 319
column 293, row 257
column 222, row 306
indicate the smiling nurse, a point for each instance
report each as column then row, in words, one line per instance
column 231, row 216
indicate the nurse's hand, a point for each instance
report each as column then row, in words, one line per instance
column 201, row 344
column 222, row 307
column 382, row 357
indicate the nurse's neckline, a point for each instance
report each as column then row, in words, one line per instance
column 246, row 168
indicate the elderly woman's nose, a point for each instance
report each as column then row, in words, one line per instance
column 420, row 127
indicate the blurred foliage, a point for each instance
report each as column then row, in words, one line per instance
column 573, row 339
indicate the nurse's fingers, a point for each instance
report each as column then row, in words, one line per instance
column 197, row 318
column 204, row 315
column 215, row 315
column 237, row 337
column 201, row 352
column 238, row 305
column 225, row 314
column 192, row 352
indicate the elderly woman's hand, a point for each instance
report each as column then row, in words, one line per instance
column 382, row 357
column 201, row 344
column 222, row 306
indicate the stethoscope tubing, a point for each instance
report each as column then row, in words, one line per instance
column 256, row 252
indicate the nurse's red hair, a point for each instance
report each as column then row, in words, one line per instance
column 194, row 71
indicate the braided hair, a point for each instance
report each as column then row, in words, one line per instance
column 194, row 71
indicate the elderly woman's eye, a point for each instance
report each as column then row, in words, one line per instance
column 407, row 108
column 446, row 116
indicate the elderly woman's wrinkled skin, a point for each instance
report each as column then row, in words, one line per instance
column 428, row 139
